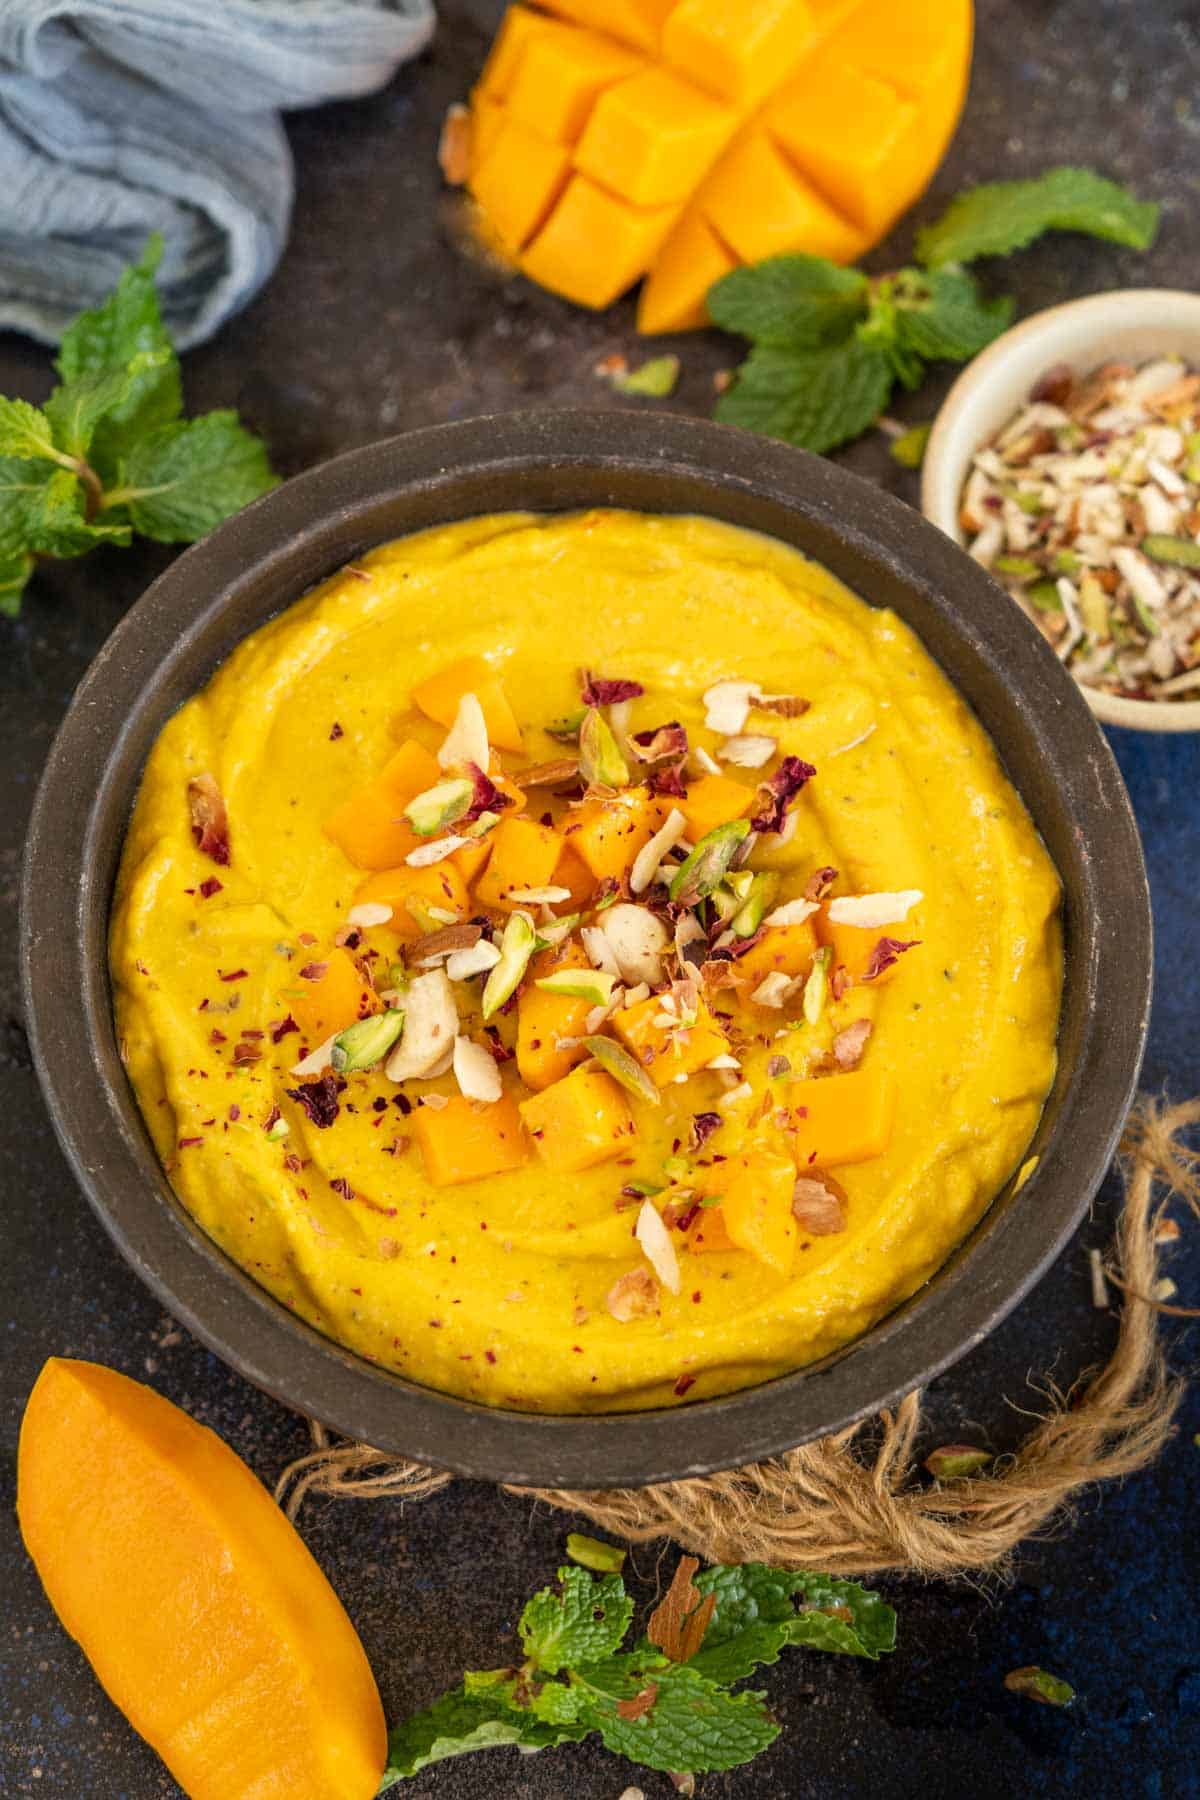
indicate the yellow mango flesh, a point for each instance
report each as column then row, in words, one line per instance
column 464, row 1141
column 673, row 139
column 193, row 1598
column 579, row 1121
column 919, row 801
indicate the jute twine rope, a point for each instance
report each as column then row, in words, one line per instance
column 857, row 1503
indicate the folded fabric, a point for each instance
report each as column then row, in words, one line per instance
column 123, row 117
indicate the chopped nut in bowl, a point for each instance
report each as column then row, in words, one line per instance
column 1066, row 459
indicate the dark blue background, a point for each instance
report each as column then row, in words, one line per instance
column 374, row 323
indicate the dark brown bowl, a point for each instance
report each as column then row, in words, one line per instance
column 191, row 618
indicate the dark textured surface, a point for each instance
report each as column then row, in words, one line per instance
column 374, row 324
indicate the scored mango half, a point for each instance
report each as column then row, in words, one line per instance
column 613, row 140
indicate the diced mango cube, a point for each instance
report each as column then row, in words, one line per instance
column 756, row 1209
column 470, row 860
column 519, row 29
column 841, row 1118
column 781, row 950
column 543, row 1018
column 707, row 1235
column 580, row 1121
column 673, row 294
column 487, row 117
column 652, row 137
column 854, row 945
column 416, row 896
column 761, row 206
column 560, row 78
column 572, row 872
column 466, row 1140
column 438, row 699
column 924, row 51
column 667, row 1050
column 607, row 834
column 737, row 49
column 866, row 172
column 333, row 996
column 594, row 245
column 713, row 800
column 524, row 855
column 637, row 22
column 369, row 827
column 518, row 181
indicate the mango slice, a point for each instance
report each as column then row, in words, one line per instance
column 463, row 1141
column 196, row 1603
column 543, row 1018
column 668, row 1052
column 412, row 893
column 369, row 827
column 673, row 139
column 331, row 1000
column 438, row 699
column 579, row 1122
column 524, row 856
column 842, row 1118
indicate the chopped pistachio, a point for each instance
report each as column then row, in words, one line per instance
column 1093, row 607
column 278, row 1130
column 366, row 1042
column 655, row 378
column 709, row 862
column 590, row 1553
column 516, row 948
column 600, row 761
column 440, row 806
column 1039, row 1684
column 1045, row 596
column 909, row 448
column 566, row 730
column 817, row 986
column 1066, row 563
column 755, row 901
column 1180, row 552
column 622, row 1067
column 1023, row 567
column 955, row 1462
column 593, row 985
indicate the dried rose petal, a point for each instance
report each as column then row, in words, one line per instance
column 779, row 790
column 819, row 883
column 486, row 798
column 319, row 1100
column 819, row 1205
column 848, row 1045
column 887, row 951
column 633, row 1295
column 703, row 1126
column 786, row 706
column 663, row 743
column 601, row 691
column 210, row 820
column 279, row 1031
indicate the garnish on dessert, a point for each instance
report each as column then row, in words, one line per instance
column 1086, row 507
column 572, row 979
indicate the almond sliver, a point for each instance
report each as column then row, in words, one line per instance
column 870, row 910
column 655, row 1240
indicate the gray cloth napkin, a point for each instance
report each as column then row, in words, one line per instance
column 123, row 117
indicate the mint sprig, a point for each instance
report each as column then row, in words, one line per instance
column 110, row 453
column 666, row 1704
column 829, row 344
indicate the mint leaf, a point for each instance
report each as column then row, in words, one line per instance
column 816, row 399
column 57, row 522
column 757, row 1618
column 1007, row 215
column 945, row 316
column 183, row 479
column 458, row 1724
column 107, row 340
column 77, row 408
column 693, row 1724
column 790, row 302
column 580, row 1624
column 25, row 432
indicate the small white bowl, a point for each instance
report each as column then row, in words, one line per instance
column 1130, row 326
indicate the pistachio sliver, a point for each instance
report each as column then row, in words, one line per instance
column 622, row 1067
column 593, row 985
column 516, row 947
column 709, row 862
column 440, row 805
column 600, row 761
column 817, row 986
column 755, row 901
column 1179, row 552
column 566, row 730
column 365, row 1043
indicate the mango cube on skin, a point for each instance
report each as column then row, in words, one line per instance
column 866, row 172
column 519, row 29
column 466, row 1140
column 674, row 293
column 761, row 206
column 636, row 22
column 668, row 1051
column 543, row 1018
column 524, row 855
column 781, row 950
column 439, row 695
column 579, row 1122
column 518, row 181
column 562, row 76
column 608, row 834
column 327, row 1002
column 653, row 137
column 370, row 827
column 594, row 245
column 713, row 800
column 736, row 48
column 411, row 893
column 836, row 1119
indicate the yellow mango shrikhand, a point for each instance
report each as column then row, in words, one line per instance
column 584, row 961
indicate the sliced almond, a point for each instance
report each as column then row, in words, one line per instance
column 437, row 945
column 870, row 910
column 599, row 951
column 707, row 764
column 819, row 1205
column 655, row 1240
column 436, row 852
column 430, row 1028
column 539, row 896
column 633, row 1295
column 773, row 989
column 468, row 740
column 475, row 1071
column 318, row 1060
column 638, row 940
column 848, row 1045
column 748, row 752
column 648, row 858
column 481, row 957
column 727, row 706
column 368, row 913
column 792, row 912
